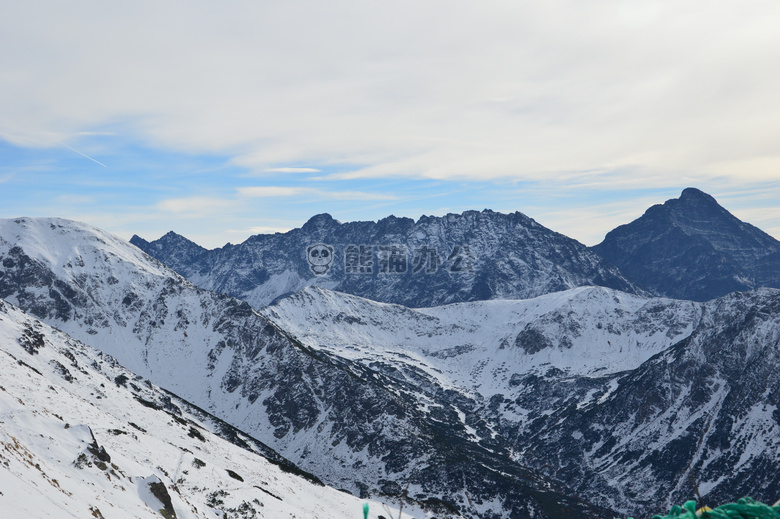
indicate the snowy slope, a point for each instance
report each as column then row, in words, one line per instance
column 213, row 350
column 82, row 437
column 582, row 331
column 610, row 393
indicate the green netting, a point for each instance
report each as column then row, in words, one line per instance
column 745, row 508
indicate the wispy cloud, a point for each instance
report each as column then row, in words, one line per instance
column 293, row 170
column 272, row 191
column 193, row 206
column 284, row 191
column 529, row 91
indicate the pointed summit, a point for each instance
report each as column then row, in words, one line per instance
column 174, row 250
column 320, row 221
column 692, row 248
column 691, row 193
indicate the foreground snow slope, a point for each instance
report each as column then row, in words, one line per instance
column 82, row 437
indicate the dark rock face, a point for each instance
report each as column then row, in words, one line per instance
column 158, row 490
column 466, row 257
column 692, row 248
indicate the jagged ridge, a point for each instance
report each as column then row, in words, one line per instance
column 502, row 256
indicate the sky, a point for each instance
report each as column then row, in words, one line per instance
column 223, row 120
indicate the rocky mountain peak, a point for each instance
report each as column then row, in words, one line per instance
column 320, row 221
column 697, row 209
column 693, row 194
column 172, row 249
column 692, row 248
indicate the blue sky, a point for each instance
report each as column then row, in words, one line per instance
column 222, row 121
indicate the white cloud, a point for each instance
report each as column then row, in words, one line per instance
column 282, row 191
column 293, row 170
column 195, row 206
column 410, row 89
column 271, row 191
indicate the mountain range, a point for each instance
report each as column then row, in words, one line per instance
column 354, row 427
column 687, row 248
column 430, row 262
column 537, row 380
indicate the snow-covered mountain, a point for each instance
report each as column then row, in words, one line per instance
column 429, row 262
column 354, row 426
column 586, row 331
column 702, row 416
column 692, row 248
column 615, row 398
column 80, row 436
column 613, row 394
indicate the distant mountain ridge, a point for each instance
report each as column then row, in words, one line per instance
column 687, row 248
column 476, row 255
column 692, row 248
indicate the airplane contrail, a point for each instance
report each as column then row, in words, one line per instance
column 84, row 155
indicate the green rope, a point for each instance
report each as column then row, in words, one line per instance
column 745, row 508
